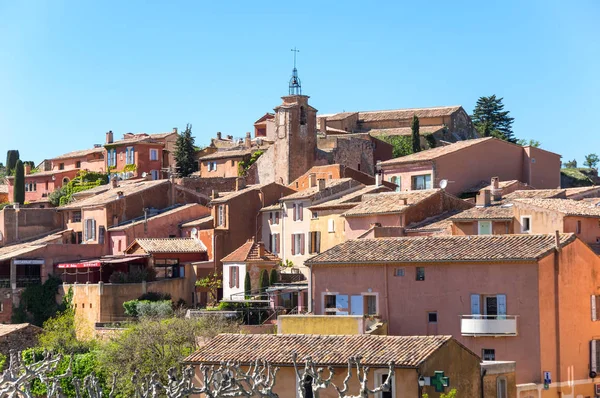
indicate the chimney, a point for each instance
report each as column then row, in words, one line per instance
column 230, row 137
column 323, row 124
column 496, row 191
column 248, row 141
column 321, row 184
column 312, row 180
column 215, row 194
column 218, row 135
column 557, row 241
column 240, row 183
column 175, row 130
column 377, row 179
column 115, row 182
column 109, row 137
column 261, row 249
column 27, row 168
column 119, row 194
column 484, row 198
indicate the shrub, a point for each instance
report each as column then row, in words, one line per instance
column 155, row 296
column 155, row 309
column 273, row 277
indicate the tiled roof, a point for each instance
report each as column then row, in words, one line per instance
column 249, row 252
column 594, row 201
column 485, row 213
column 157, row 215
column 77, row 154
column 567, row 207
column 439, row 224
column 536, row 193
column 47, row 173
column 340, row 116
column 406, row 131
column 437, row 152
column 3, row 188
column 225, row 196
column 395, row 114
column 18, row 249
column 332, row 187
column 441, row 249
column 581, row 190
column 486, row 185
column 275, row 207
column 238, row 153
column 351, row 199
column 171, row 245
column 8, row 329
column 376, row 351
column 110, row 195
column 142, row 137
column 389, row 202
column 197, row 221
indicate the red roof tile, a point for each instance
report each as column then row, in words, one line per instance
column 248, row 252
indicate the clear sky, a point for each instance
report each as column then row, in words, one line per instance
column 72, row 70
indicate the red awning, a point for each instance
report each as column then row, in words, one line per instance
column 86, row 264
column 125, row 259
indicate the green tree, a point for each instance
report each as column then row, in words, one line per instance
column 273, row 277
column 591, row 160
column 19, row 189
column 213, row 282
column 264, row 281
column 451, row 394
column 185, row 152
column 11, row 160
column 530, row 142
column 416, row 137
column 401, row 145
column 247, row 285
column 491, row 120
column 571, row 164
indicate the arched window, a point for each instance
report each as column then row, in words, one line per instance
column 65, row 180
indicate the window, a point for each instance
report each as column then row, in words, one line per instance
column 397, row 181
column 501, row 387
column 421, row 182
column 298, row 207
column 307, row 387
column 432, row 317
column 314, row 215
column 331, row 225
column 297, row 244
column 61, row 166
column 314, row 245
column 336, row 304
column 89, row 229
column 232, row 163
column 101, row 233
column 494, row 306
column 274, row 217
column 525, row 224
column 484, row 227
column 578, row 227
column 595, row 308
column 119, row 246
column 302, row 116
column 488, row 354
column 329, row 301
column 420, row 274
column 399, row 272
column 221, row 215
column 154, row 174
column 370, row 304
column 234, row 276
column 78, row 164
column 211, row 166
column 274, row 243
column 76, row 216
column 130, row 157
column 153, row 154
column 381, row 377
column 594, row 355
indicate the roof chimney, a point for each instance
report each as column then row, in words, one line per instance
column 215, row 194
column 27, row 168
column 312, row 180
column 240, row 183
column 175, row 130
column 484, row 198
column 230, row 137
column 261, row 249
column 218, row 135
column 496, row 191
column 248, row 141
column 321, row 184
column 109, row 137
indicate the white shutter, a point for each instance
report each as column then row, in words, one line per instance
column 85, row 230
column 593, row 355
column 501, row 299
column 594, row 317
column 93, row 229
column 475, row 309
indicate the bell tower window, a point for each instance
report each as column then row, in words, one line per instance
column 302, row 116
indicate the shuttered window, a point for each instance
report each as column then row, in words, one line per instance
column 314, row 245
column 594, row 355
column 595, row 307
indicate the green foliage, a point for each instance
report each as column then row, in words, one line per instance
column 38, row 302
column 244, row 165
column 247, row 285
column 12, row 156
column 83, row 181
column 147, row 308
column 490, row 119
column 591, row 160
column 185, row 152
column 571, row 164
column 530, row 142
column 451, row 394
column 2, row 362
column 402, row 145
column 19, row 188
column 285, row 264
column 415, row 136
column 431, row 143
column 212, row 282
column 264, row 281
column 155, row 296
column 578, row 177
column 130, row 167
column 273, row 277
column 136, row 276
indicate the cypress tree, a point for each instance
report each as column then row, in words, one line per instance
column 11, row 161
column 264, row 282
column 247, row 286
column 273, row 277
column 19, row 188
column 185, row 152
column 416, row 138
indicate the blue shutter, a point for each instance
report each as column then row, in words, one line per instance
column 501, row 299
column 475, row 309
column 132, row 157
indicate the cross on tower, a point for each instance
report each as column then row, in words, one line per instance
column 295, row 85
column 295, row 51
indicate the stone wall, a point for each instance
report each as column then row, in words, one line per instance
column 31, row 223
column 263, row 171
column 18, row 337
column 205, row 186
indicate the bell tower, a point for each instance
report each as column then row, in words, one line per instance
column 295, row 133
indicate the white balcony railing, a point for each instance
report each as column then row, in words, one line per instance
column 488, row 325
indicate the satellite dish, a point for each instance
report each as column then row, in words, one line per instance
column 443, row 184
column 194, row 233
column 144, row 174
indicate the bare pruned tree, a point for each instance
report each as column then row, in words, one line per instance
column 362, row 373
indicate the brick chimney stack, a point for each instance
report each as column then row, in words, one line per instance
column 248, row 141
column 484, row 198
column 496, row 191
column 240, row 183
column 27, row 168
column 109, row 137
column 321, row 184
column 261, row 249
column 175, row 130
column 218, row 135
column 312, row 180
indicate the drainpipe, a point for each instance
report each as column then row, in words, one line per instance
column 483, row 373
column 557, row 253
column 387, row 301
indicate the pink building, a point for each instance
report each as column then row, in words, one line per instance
column 511, row 297
column 466, row 164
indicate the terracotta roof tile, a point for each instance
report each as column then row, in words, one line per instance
column 142, row 137
column 351, row 199
column 81, row 153
column 163, row 213
column 440, row 224
column 437, row 152
column 198, row 221
column 8, row 329
column 235, row 153
column 249, row 252
column 110, row 195
column 171, row 245
column 485, row 213
column 581, row 190
column 441, row 249
column 376, row 351
column 403, row 114
column 389, row 202
column 405, row 131
column 536, row 193
column 567, row 207
column 332, row 187
column 225, row 196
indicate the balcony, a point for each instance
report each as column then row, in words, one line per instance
column 488, row 325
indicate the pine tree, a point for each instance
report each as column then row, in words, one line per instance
column 11, row 161
column 19, row 189
column 491, row 120
column 185, row 153
column 416, row 138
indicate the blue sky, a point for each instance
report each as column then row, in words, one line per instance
column 70, row 71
